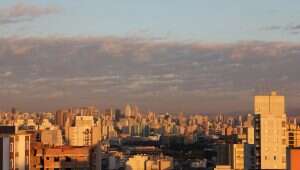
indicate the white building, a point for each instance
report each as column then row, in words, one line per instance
column 270, row 131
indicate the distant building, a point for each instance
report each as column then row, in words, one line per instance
column 145, row 162
column 222, row 167
column 270, row 131
column 137, row 162
column 84, row 133
column 131, row 110
column 293, row 135
column 62, row 117
column 52, row 137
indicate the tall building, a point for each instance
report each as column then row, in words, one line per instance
column 61, row 117
column 84, row 133
column 131, row 110
column 270, row 131
column 14, row 148
column 237, row 156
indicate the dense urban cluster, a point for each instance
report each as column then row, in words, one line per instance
column 129, row 139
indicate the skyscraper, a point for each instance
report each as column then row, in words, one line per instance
column 270, row 131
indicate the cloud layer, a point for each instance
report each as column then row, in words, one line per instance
column 46, row 73
column 21, row 12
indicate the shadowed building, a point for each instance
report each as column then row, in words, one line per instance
column 14, row 149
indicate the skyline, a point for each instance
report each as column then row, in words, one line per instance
column 152, row 54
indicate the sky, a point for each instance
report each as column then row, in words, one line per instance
column 173, row 55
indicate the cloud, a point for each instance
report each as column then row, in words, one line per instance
column 119, row 70
column 272, row 28
column 22, row 12
column 6, row 74
column 292, row 28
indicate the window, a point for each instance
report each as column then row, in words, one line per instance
column 11, row 147
column 27, row 160
column 68, row 159
column 11, row 161
column 283, row 124
column 56, row 159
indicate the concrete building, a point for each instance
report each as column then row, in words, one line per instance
column 270, row 131
column 137, row 162
column 223, row 167
column 62, row 116
column 63, row 157
column 84, row 133
column 237, row 156
column 14, row 149
column 52, row 137
column 250, row 135
column 293, row 135
column 145, row 162
column 293, row 159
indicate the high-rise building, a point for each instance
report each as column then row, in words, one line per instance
column 270, row 131
column 61, row 117
column 14, row 148
column 84, row 133
column 237, row 156
column 131, row 110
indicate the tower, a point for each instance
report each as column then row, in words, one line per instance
column 270, row 131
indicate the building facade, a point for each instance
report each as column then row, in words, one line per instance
column 14, row 149
column 270, row 131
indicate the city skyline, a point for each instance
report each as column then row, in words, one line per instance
column 163, row 61
column 149, row 85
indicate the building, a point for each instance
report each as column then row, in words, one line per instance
column 145, row 162
column 165, row 163
column 131, row 110
column 293, row 159
column 14, row 148
column 84, row 133
column 222, row 167
column 63, row 157
column 270, row 131
column 61, row 117
column 293, row 135
column 237, row 156
column 137, row 162
column 52, row 137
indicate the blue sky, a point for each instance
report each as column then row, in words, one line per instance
column 192, row 20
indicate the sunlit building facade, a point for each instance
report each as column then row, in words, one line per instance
column 270, row 131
